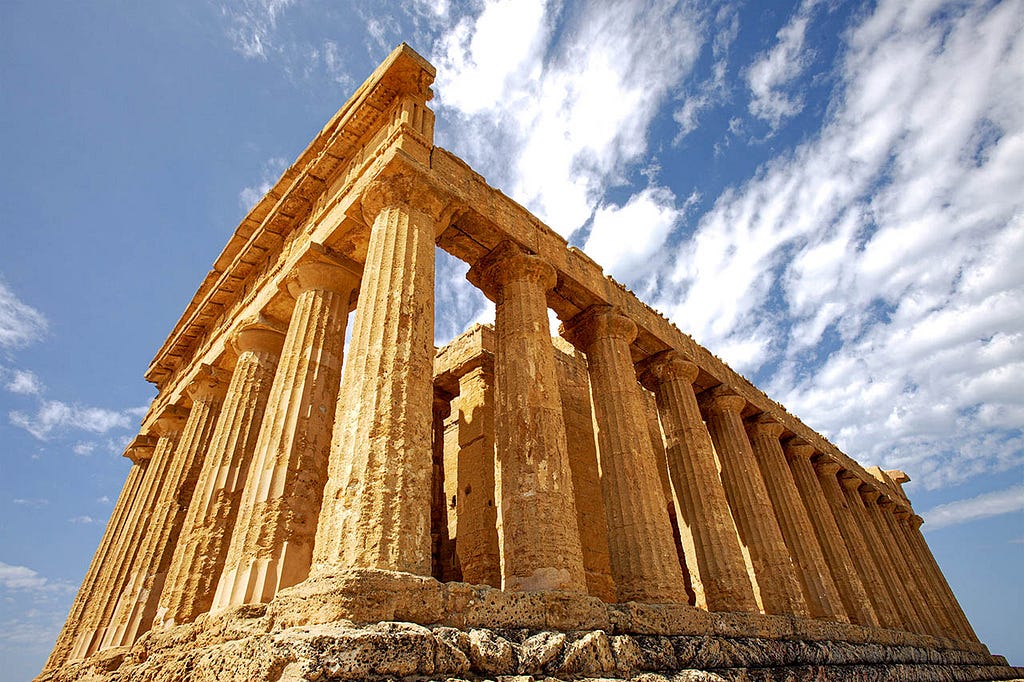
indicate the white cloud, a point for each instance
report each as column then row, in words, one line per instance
column 880, row 260
column 24, row 579
column 103, row 499
column 20, row 324
column 713, row 90
column 83, row 448
column 54, row 416
column 34, row 503
column 770, row 77
column 252, row 25
column 82, row 520
column 556, row 122
column 269, row 175
column 973, row 508
column 24, row 382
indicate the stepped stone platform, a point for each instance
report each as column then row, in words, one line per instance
column 381, row 625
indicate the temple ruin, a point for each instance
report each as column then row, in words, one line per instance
column 615, row 502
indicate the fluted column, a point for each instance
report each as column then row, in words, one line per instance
column 876, row 553
column 881, row 602
column 938, row 580
column 926, row 596
column 167, row 427
column 877, row 508
column 645, row 565
column 774, row 572
column 819, row 591
column 199, row 557
column 855, row 601
column 540, row 542
column 109, row 549
column 274, row 532
column 718, row 573
column 477, row 531
column 138, row 608
column 439, row 541
column 376, row 511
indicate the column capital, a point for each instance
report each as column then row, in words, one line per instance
column 722, row 399
column 916, row 521
column 141, row 448
column 171, row 420
column 392, row 191
column 764, row 425
column 442, row 403
column 826, row 465
column 258, row 339
column 884, row 501
column 209, row 383
column 798, row 448
column 482, row 362
column 322, row 275
column 598, row 322
column 869, row 494
column 508, row 262
column 850, row 480
column 666, row 366
column 900, row 512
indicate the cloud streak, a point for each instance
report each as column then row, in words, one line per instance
column 981, row 506
column 20, row 324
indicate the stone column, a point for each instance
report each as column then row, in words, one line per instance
column 376, row 511
column 718, row 573
column 758, row 528
column 199, row 558
column 477, row 536
column 881, row 602
column 855, row 601
column 850, row 484
column 644, row 562
column 540, row 542
column 272, row 542
column 896, row 518
column 877, row 511
column 819, row 591
column 938, row 580
column 439, row 542
column 109, row 550
column 154, row 559
column 919, row 620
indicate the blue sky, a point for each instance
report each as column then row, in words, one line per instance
column 827, row 194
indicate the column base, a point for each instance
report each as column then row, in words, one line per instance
column 367, row 624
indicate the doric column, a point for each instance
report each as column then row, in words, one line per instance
column 718, row 573
column 439, row 541
column 896, row 518
column 376, row 511
column 477, row 528
column 751, row 507
column 272, row 542
column 881, row 602
column 952, row 606
column 855, row 601
column 878, row 511
column 109, row 550
column 167, row 429
column 540, row 542
column 643, row 556
column 136, row 613
column 850, row 484
column 199, row 557
column 819, row 591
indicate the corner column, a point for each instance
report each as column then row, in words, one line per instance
column 854, row 598
column 199, row 557
column 376, row 511
column 819, row 591
column 135, row 616
column 540, row 542
column 272, row 542
column 774, row 572
column 644, row 562
column 718, row 574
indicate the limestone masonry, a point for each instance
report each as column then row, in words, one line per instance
column 615, row 503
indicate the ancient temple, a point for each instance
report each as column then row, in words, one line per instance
column 615, row 502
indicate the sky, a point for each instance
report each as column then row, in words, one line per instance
column 826, row 194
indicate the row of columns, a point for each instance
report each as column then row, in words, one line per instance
column 236, row 500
